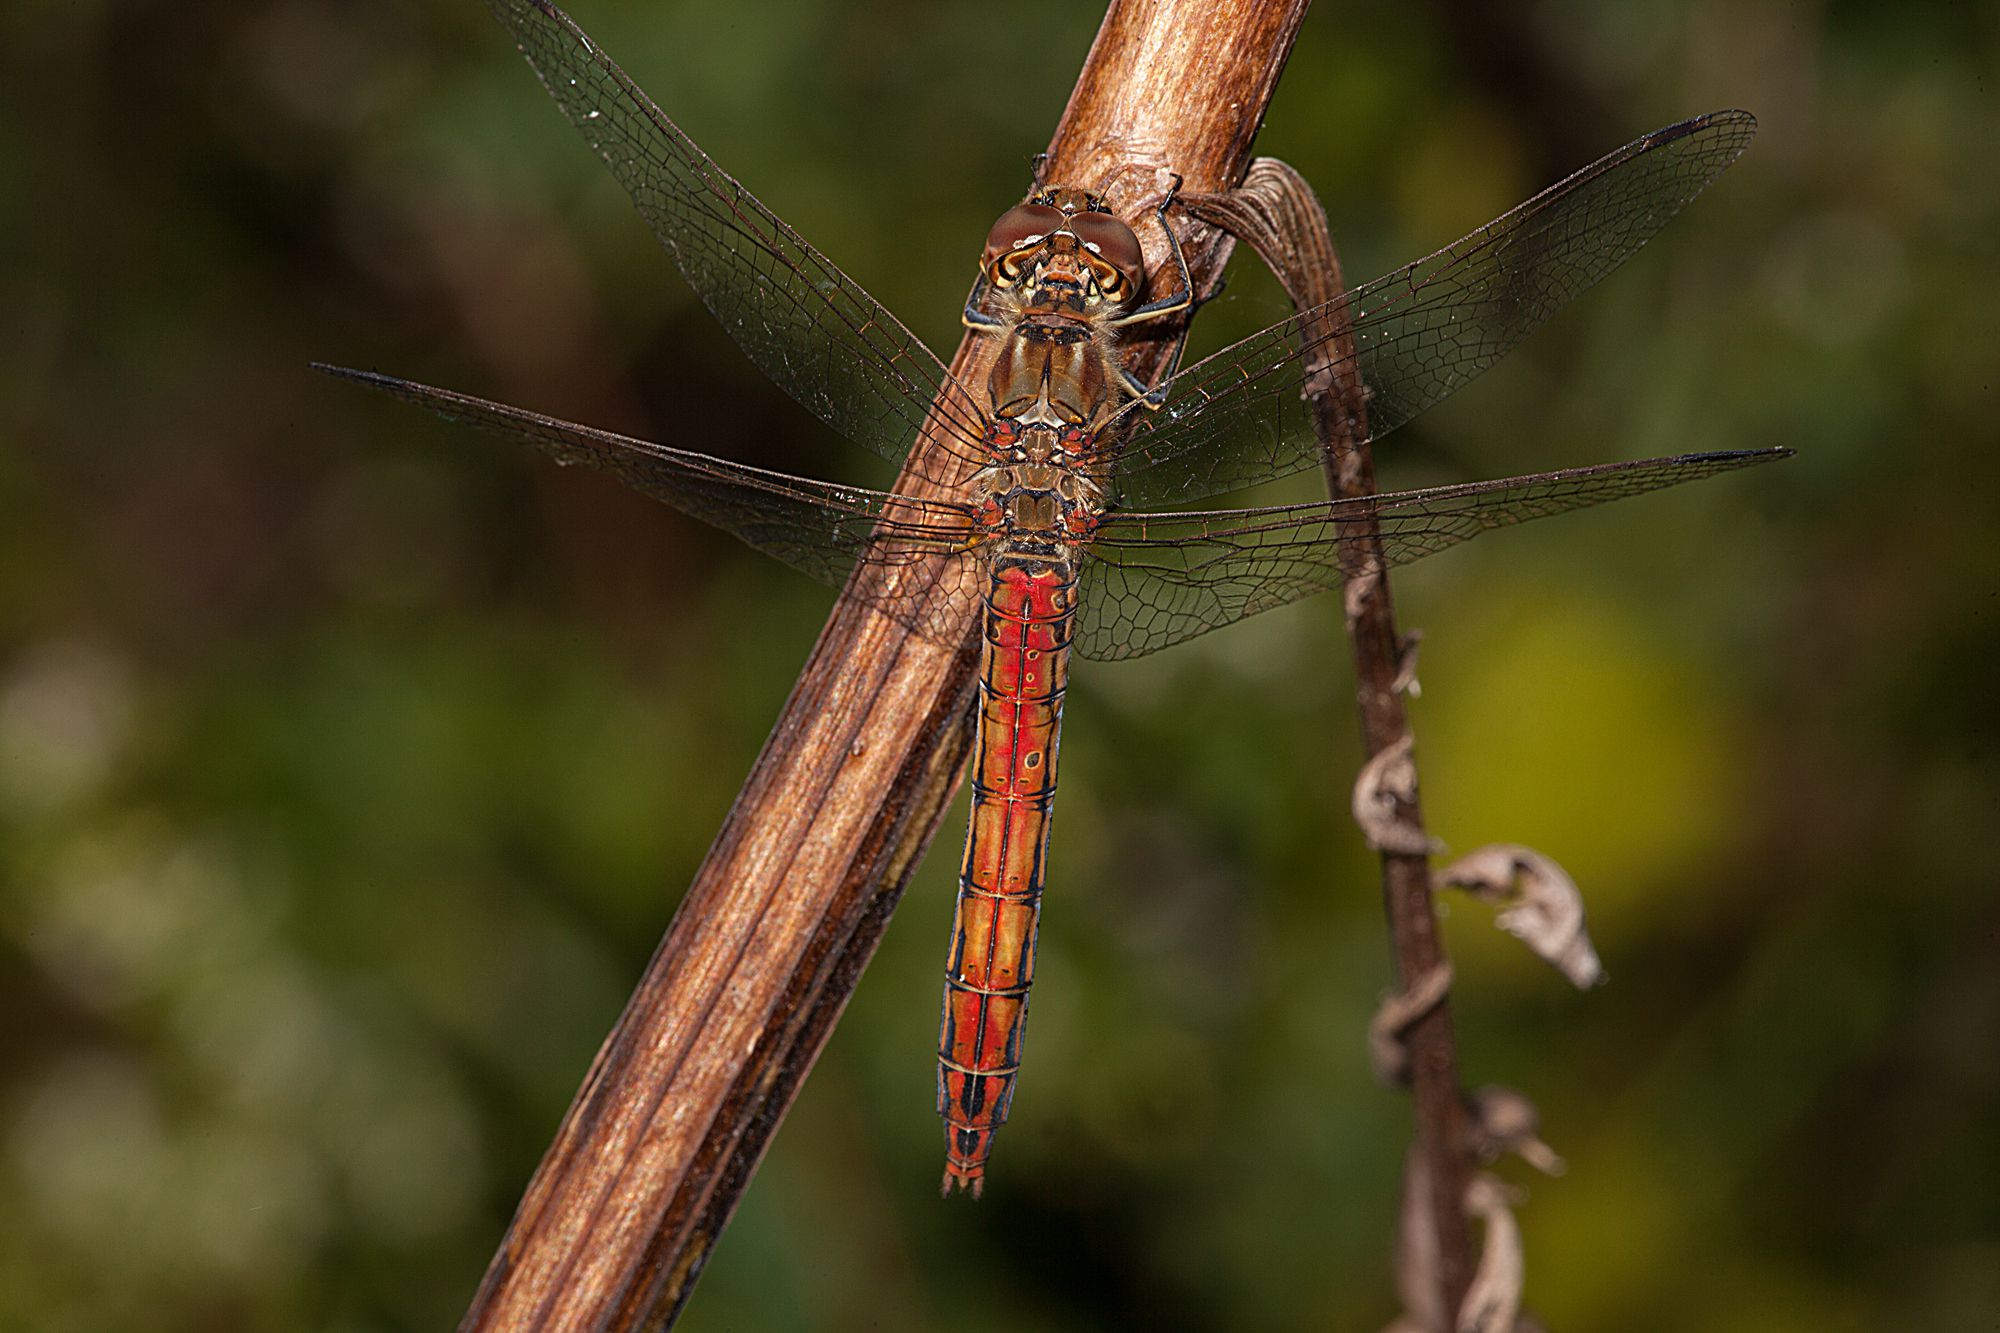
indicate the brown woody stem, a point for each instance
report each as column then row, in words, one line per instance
column 1278, row 215
column 791, row 901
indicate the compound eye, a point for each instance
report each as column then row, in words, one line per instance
column 1112, row 242
column 1019, row 227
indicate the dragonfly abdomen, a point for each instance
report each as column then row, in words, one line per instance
column 1029, row 615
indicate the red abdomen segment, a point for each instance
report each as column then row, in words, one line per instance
column 1030, row 610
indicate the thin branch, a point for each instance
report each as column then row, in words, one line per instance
column 785, row 912
column 1276, row 212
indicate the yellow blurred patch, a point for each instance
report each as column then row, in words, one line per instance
column 1567, row 723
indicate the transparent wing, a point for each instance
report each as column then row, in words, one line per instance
column 1151, row 580
column 1237, row 418
column 807, row 325
column 915, row 558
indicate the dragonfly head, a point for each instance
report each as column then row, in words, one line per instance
column 1068, row 241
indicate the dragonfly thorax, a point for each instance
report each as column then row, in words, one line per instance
column 1037, row 438
column 1053, row 372
column 1035, row 489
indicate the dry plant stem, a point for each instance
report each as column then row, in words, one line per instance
column 1278, row 214
column 791, row 901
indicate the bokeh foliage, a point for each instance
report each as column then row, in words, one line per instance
column 350, row 768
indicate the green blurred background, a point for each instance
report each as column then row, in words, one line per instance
column 350, row 766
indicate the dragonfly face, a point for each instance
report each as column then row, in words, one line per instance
column 1064, row 251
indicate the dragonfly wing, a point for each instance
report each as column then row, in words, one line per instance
column 1418, row 334
column 1151, row 580
column 913, row 557
column 807, row 325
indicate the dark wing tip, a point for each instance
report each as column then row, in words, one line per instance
column 1719, row 458
column 423, row 395
column 1735, row 126
column 346, row 372
column 1733, row 115
column 1769, row 455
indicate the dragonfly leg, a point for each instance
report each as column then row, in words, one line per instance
column 1182, row 297
column 975, row 316
column 1186, row 299
column 1153, row 398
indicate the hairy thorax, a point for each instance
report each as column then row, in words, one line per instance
column 1039, row 488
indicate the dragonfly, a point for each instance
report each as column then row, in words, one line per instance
column 1037, row 513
